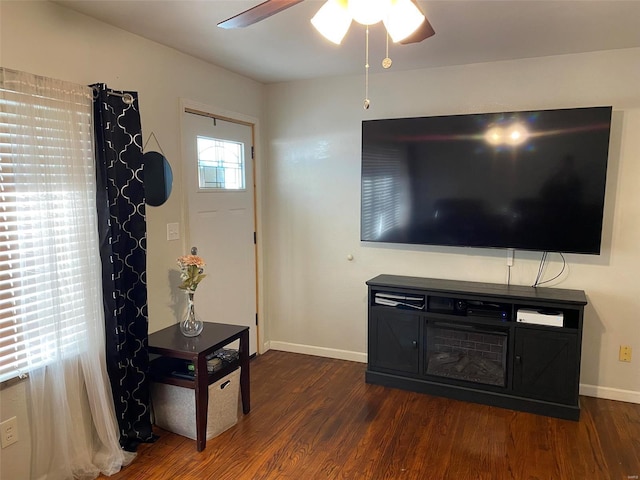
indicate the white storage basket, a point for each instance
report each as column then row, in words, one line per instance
column 174, row 407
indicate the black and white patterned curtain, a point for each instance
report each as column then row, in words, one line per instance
column 123, row 236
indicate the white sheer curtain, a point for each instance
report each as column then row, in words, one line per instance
column 49, row 214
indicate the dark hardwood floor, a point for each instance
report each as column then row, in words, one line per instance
column 316, row 418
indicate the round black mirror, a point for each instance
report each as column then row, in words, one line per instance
column 158, row 178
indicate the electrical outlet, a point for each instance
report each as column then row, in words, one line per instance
column 510, row 257
column 9, row 432
column 625, row 353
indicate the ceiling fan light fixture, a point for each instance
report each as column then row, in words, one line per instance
column 402, row 19
column 332, row 20
column 368, row 12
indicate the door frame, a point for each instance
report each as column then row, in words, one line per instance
column 242, row 119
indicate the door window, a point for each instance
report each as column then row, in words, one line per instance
column 221, row 164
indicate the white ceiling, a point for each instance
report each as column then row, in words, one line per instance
column 286, row 47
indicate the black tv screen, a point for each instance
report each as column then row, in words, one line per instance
column 531, row 180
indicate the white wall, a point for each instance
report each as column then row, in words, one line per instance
column 316, row 298
column 46, row 39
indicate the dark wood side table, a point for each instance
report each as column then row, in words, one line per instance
column 170, row 344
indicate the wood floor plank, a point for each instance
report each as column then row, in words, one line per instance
column 316, row 418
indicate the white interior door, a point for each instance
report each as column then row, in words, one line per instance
column 220, row 201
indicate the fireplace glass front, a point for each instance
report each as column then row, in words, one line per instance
column 466, row 352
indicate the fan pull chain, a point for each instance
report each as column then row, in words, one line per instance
column 386, row 62
column 367, row 103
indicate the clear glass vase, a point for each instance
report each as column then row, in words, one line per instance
column 191, row 325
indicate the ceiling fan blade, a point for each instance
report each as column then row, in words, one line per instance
column 257, row 13
column 425, row 30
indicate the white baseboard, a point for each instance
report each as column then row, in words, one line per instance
column 318, row 351
column 588, row 390
column 610, row 393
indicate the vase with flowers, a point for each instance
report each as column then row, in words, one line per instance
column 191, row 274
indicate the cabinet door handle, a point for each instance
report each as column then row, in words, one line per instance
column 518, row 359
column 415, row 344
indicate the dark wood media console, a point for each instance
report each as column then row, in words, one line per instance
column 463, row 340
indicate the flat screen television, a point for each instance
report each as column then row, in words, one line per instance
column 530, row 180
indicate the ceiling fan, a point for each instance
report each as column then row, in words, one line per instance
column 271, row 7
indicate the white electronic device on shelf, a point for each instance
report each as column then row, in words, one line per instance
column 551, row 318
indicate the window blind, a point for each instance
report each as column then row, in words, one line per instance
column 47, row 200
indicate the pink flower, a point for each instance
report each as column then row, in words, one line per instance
column 191, row 271
column 191, row 260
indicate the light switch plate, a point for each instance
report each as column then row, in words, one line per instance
column 173, row 231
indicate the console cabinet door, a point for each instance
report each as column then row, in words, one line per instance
column 546, row 365
column 394, row 340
